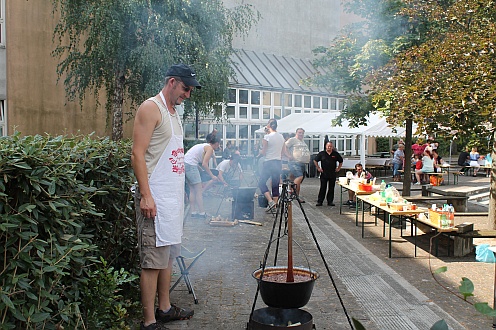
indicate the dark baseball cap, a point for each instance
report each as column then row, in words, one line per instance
column 185, row 73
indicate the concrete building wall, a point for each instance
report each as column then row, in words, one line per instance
column 291, row 27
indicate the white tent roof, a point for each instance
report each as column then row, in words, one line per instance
column 321, row 124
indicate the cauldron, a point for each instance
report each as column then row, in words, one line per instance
column 285, row 294
column 269, row 318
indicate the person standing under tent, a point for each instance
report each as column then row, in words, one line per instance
column 331, row 162
column 398, row 160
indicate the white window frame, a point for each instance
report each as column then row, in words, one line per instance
column 3, row 117
column 2, row 23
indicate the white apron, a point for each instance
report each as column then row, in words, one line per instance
column 167, row 188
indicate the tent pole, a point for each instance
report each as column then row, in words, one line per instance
column 362, row 150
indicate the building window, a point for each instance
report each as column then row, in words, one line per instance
column 253, row 128
column 255, row 113
column 219, row 128
column 277, row 113
column 230, row 131
column 2, row 22
column 243, row 131
column 231, row 112
column 287, row 112
column 3, row 118
column 297, row 101
column 308, row 101
column 288, row 100
column 189, row 130
column 266, row 98
column 277, row 99
column 232, row 95
column 325, row 103
column 316, row 102
column 333, row 103
column 243, row 96
column 266, row 113
column 243, row 112
column 255, row 97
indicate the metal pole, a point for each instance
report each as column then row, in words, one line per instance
column 451, row 150
column 197, row 124
column 493, row 248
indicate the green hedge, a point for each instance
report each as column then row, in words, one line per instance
column 65, row 207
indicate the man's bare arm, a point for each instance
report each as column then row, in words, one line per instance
column 147, row 118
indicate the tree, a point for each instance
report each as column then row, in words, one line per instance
column 124, row 47
column 447, row 84
column 428, row 61
column 361, row 48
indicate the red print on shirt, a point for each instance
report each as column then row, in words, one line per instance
column 177, row 160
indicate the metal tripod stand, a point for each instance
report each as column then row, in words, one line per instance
column 284, row 212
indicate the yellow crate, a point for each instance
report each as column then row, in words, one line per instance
column 435, row 218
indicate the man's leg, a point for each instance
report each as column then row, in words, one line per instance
column 262, row 183
column 275, row 175
column 330, row 193
column 297, row 181
column 148, row 286
column 164, row 280
column 351, row 196
column 322, row 190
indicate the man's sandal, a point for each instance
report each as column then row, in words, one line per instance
column 173, row 314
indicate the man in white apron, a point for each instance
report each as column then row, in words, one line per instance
column 158, row 163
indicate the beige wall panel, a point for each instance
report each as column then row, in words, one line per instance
column 36, row 103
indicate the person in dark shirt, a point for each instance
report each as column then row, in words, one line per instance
column 464, row 160
column 329, row 159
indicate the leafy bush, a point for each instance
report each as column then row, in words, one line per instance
column 64, row 203
column 104, row 306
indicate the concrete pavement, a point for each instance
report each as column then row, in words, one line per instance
column 372, row 292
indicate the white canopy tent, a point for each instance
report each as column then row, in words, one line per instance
column 321, row 124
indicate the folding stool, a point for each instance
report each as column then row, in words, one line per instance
column 187, row 255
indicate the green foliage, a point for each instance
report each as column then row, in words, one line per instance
column 104, row 305
column 357, row 324
column 382, row 144
column 446, row 84
column 485, row 309
column 441, row 270
column 440, row 325
column 362, row 47
column 64, row 202
column 126, row 46
column 466, row 288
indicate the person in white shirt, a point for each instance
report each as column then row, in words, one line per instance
column 299, row 157
column 273, row 147
column 230, row 171
column 198, row 157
